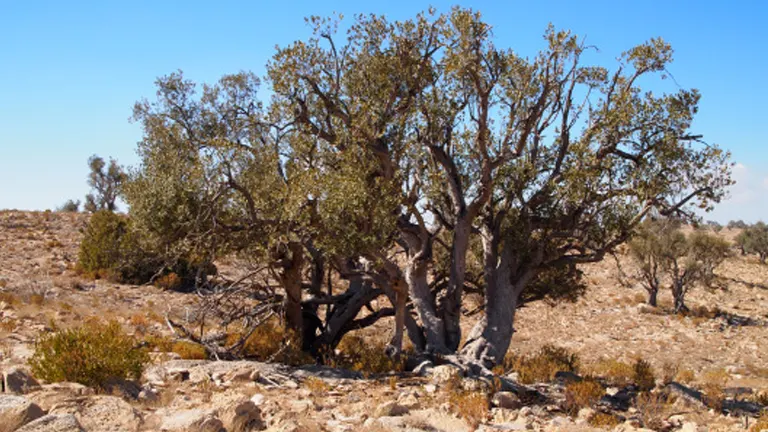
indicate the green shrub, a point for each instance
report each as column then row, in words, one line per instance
column 92, row 354
column 111, row 249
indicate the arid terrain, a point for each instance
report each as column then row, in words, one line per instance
column 726, row 337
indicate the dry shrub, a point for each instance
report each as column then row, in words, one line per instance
column 604, row 420
column 159, row 343
column 8, row 325
column 317, row 386
column 643, row 376
column 471, row 406
column 761, row 424
column 366, row 356
column 544, row 364
column 669, row 371
column 92, row 354
column 10, row 298
column 189, row 350
column 169, row 282
column 582, row 394
column 271, row 342
column 653, row 409
column 615, row 372
column 3, row 283
column 713, row 386
column 685, row 376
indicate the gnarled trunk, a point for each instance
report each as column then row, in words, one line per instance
column 423, row 301
column 450, row 303
column 653, row 297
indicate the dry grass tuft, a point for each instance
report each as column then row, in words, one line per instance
column 544, row 364
column 713, row 385
column 582, row 394
column 189, row 350
column 615, row 372
column 317, row 386
column 604, row 420
column 471, row 406
column 643, row 376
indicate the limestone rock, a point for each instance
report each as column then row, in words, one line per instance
column 191, row 420
column 390, row 409
column 101, row 413
column 16, row 411
column 445, row 374
column 53, row 423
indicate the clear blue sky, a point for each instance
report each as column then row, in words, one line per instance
column 71, row 71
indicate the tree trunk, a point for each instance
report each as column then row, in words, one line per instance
column 678, row 293
column 652, row 296
column 424, row 303
column 450, row 304
column 290, row 278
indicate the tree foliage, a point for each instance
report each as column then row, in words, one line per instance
column 754, row 240
column 105, row 181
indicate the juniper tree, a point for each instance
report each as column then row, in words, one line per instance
column 105, row 181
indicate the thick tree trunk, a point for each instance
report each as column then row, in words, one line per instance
column 450, row 304
column 290, row 278
column 418, row 286
column 489, row 340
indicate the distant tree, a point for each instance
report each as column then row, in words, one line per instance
column 738, row 224
column 105, row 181
column 714, row 226
column 70, row 206
column 754, row 240
column 649, row 248
column 664, row 252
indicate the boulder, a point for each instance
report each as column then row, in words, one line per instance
column 446, row 374
column 390, row 409
column 191, row 420
column 19, row 381
column 16, row 411
column 53, row 423
column 506, row 400
column 50, row 395
column 237, row 412
column 101, row 413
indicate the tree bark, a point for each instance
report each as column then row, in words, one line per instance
column 418, row 286
column 290, row 278
column 652, row 296
column 450, row 303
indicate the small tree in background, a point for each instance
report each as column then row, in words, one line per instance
column 70, row 206
column 654, row 240
column 662, row 250
column 105, row 180
column 754, row 240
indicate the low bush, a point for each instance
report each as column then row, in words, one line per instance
column 544, row 364
column 582, row 394
column 643, row 376
column 473, row 407
column 761, row 424
column 189, row 350
column 92, row 354
column 614, row 372
column 365, row 356
column 271, row 342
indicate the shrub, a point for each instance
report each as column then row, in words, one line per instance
column 365, row 356
column 92, row 354
column 544, row 364
column 189, row 350
column 604, row 420
column 685, row 376
column 713, row 386
column 582, row 394
column 614, row 372
column 471, row 406
column 643, row 375
column 271, row 342
column 170, row 282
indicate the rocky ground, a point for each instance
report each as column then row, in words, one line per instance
column 39, row 290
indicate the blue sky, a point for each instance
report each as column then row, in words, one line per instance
column 71, row 71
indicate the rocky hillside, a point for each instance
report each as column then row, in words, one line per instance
column 724, row 344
